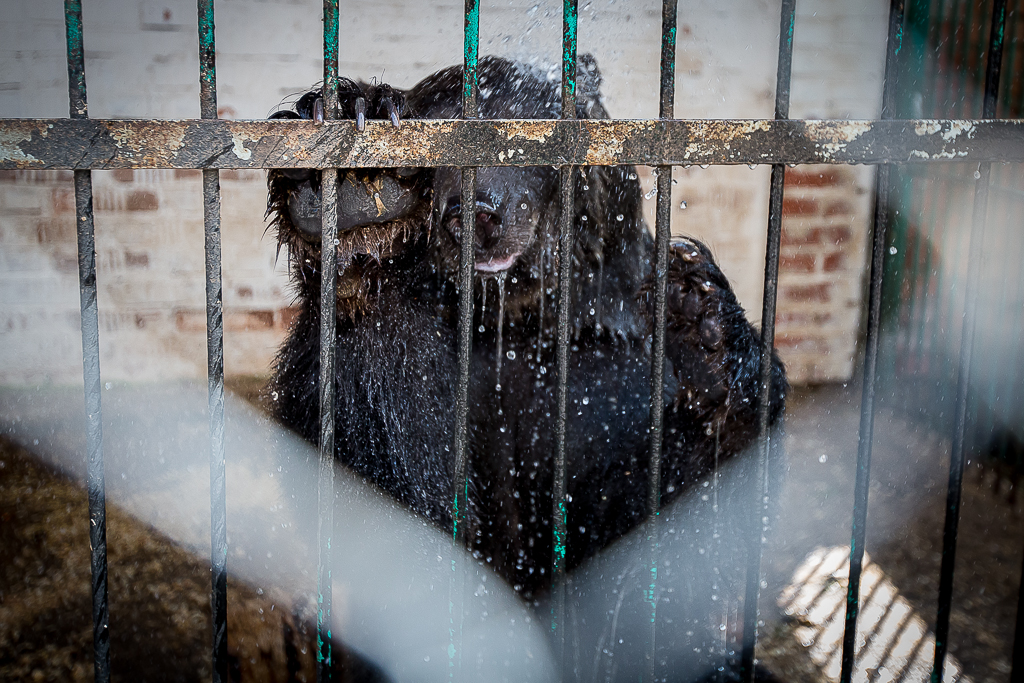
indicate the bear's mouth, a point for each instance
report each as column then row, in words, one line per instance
column 497, row 264
column 492, row 253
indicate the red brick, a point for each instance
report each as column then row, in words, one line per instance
column 839, row 208
column 124, row 175
column 245, row 321
column 136, row 259
column 142, row 200
column 56, row 230
column 285, row 317
column 803, row 343
column 813, row 177
column 836, row 234
column 143, row 319
column 834, row 261
column 63, row 200
column 190, row 321
column 793, row 206
column 802, row 318
column 820, row 292
column 797, row 263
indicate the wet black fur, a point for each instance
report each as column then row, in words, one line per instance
column 395, row 370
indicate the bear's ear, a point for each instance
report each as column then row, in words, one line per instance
column 588, row 88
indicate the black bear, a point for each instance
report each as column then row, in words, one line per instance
column 396, row 334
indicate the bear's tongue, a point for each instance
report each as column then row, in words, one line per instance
column 497, row 263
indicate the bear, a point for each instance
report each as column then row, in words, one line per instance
column 397, row 304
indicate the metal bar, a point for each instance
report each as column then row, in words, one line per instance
column 663, row 234
column 759, row 500
column 467, row 247
column 566, row 238
column 894, row 44
column 95, row 482
column 467, row 244
column 328, row 320
column 956, row 463
column 39, row 144
column 214, row 354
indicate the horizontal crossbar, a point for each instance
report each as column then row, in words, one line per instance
column 108, row 144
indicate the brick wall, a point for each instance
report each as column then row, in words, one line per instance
column 141, row 62
column 821, row 265
column 150, row 266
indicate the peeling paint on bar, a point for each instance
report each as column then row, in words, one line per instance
column 108, row 144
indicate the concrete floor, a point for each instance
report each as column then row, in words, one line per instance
column 159, row 592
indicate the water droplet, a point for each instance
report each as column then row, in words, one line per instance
column 632, row 176
column 675, row 181
column 586, row 187
column 511, row 355
column 523, row 206
column 586, row 400
column 480, row 329
column 892, row 250
column 704, row 165
column 823, row 458
column 336, row 241
column 682, row 204
column 751, row 166
column 977, row 175
column 619, row 217
column 650, row 194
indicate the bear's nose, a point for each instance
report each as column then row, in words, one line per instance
column 488, row 219
column 488, row 227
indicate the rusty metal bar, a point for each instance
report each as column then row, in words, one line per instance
column 663, row 234
column 106, row 144
column 566, row 235
column 761, row 488
column 214, row 354
column 956, row 458
column 95, row 480
column 328, row 307
column 467, row 248
column 858, row 531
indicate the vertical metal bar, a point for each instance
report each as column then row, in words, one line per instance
column 328, row 303
column 95, row 481
column 663, row 234
column 214, row 353
column 470, row 89
column 956, row 464
column 894, row 44
column 467, row 247
column 565, row 255
column 759, row 506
